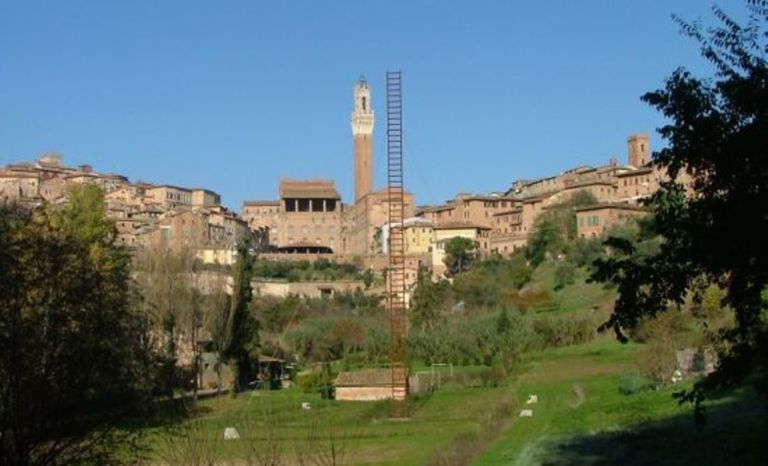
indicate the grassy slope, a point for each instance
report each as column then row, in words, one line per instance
column 369, row 437
column 606, row 427
column 579, row 296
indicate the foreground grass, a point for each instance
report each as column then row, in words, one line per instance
column 582, row 418
column 359, row 432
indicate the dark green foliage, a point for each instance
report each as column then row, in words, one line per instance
column 717, row 134
column 294, row 271
column 459, row 255
column 240, row 343
column 488, row 339
column 546, row 238
column 629, row 384
column 368, row 277
column 316, row 380
column 555, row 228
column 564, row 331
column 276, row 314
column 565, row 274
column 428, row 301
column 491, row 281
column 75, row 357
column 585, row 251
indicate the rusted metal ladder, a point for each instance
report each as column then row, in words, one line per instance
column 396, row 286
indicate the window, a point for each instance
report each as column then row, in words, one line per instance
column 363, row 103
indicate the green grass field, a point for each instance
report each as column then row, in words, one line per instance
column 361, row 430
column 582, row 418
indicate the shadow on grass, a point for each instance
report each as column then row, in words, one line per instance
column 166, row 413
column 734, row 433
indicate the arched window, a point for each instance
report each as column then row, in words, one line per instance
column 363, row 103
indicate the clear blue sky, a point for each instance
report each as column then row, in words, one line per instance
column 234, row 95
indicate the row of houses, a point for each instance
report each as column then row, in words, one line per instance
column 145, row 214
column 501, row 223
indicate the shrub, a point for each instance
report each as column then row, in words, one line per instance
column 657, row 360
column 527, row 299
column 315, row 381
column 629, row 384
column 565, row 274
column 564, row 331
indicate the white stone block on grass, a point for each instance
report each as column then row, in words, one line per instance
column 230, row 433
column 532, row 399
column 526, row 413
column 305, row 405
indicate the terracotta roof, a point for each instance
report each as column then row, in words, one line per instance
column 460, row 226
column 606, row 205
column 536, row 198
column 440, row 207
column 168, row 186
column 365, row 378
column 484, row 197
column 506, row 212
column 582, row 184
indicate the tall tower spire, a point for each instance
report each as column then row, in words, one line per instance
column 362, row 131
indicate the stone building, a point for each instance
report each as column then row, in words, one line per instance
column 594, row 221
column 264, row 216
column 310, row 215
column 479, row 234
column 364, row 385
column 418, row 235
column 170, row 197
column 507, row 235
column 512, row 216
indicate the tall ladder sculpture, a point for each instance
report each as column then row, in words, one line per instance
column 396, row 287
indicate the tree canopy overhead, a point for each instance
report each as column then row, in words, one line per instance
column 717, row 134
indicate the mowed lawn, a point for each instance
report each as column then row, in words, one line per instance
column 361, row 430
column 582, row 418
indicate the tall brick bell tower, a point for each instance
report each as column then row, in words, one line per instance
column 362, row 131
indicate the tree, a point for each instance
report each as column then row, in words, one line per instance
column 75, row 357
column 84, row 217
column 565, row 274
column 427, row 301
column 368, row 278
column 717, row 134
column 555, row 228
column 459, row 254
column 240, row 343
column 165, row 279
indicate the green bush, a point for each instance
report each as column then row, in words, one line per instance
column 629, row 384
column 564, row 331
column 314, row 381
column 565, row 274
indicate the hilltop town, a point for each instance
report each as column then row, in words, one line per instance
column 309, row 219
column 595, row 315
